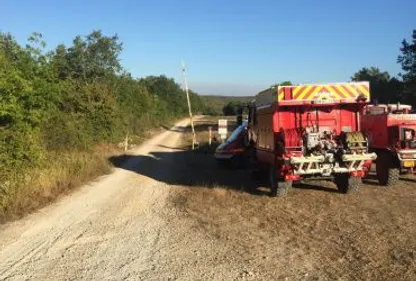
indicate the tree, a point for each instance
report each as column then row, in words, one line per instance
column 383, row 88
column 170, row 94
column 232, row 108
column 23, row 103
column 283, row 83
column 407, row 59
column 60, row 63
column 92, row 57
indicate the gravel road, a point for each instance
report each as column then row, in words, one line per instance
column 116, row 228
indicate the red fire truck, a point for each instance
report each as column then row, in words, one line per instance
column 308, row 132
column 391, row 133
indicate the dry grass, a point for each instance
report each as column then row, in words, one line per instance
column 60, row 173
column 314, row 233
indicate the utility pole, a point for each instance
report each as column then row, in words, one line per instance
column 189, row 105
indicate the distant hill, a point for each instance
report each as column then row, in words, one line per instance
column 216, row 103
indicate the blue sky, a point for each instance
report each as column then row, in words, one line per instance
column 230, row 47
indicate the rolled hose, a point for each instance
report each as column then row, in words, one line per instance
column 355, row 140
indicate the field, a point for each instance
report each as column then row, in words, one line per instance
column 314, row 233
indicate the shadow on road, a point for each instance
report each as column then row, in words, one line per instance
column 187, row 168
column 371, row 179
column 197, row 169
column 408, row 180
column 311, row 186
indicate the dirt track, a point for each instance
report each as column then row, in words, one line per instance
column 115, row 228
column 169, row 214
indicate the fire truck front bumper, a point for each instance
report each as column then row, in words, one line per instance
column 327, row 165
column 407, row 158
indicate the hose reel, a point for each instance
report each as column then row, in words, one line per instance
column 354, row 140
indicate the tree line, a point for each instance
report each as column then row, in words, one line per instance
column 73, row 97
column 385, row 88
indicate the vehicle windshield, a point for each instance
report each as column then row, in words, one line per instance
column 237, row 132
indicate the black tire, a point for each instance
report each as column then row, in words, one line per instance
column 273, row 181
column 233, row 163
column 246, row 140
column 278, row 188
column 237, row 162
column 255, row 175
column 388, row 173
column 347, row 184
column 221, row 164
column 252, row 164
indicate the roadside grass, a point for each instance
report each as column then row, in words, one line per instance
column 58, row 174
column 31, row 189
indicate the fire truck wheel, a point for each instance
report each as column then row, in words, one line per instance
column 246, row 140
column 278, row 188
column 347, row 184
column 387, row 174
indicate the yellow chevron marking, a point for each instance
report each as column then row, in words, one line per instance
column 353, row 90
column 281, row 96
column 304, row 92
column 296, row 90
column 343, row 91
column 314, row 92
column 364, row 90
column 333, row 92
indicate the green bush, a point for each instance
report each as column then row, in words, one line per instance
column 74, row 98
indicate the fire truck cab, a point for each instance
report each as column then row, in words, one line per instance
column 391, row 131
column 308, row 132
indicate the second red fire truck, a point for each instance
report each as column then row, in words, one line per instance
column 391, row 133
